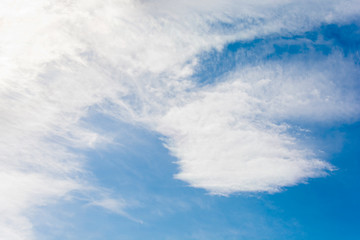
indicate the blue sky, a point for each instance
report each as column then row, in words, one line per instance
column 180, row 120
column 170, row 209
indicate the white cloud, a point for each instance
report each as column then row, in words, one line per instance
column 131, row 59
column 234, row 137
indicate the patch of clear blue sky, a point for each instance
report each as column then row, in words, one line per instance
column 140, row 170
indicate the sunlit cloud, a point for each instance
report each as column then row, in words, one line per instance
column 134, row 61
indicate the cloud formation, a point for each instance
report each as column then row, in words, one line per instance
column 238, row 136
column 133, row 60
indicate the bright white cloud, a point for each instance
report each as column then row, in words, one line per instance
column 132, row 60
column 234, row 138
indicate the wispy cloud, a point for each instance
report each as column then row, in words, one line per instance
column 116, row 206
column 239, row 135
column 133, row 60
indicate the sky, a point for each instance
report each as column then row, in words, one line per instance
column 177, row 120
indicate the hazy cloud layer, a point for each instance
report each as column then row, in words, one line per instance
column 133, row 60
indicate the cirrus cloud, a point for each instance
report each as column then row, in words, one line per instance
column 134, row 60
